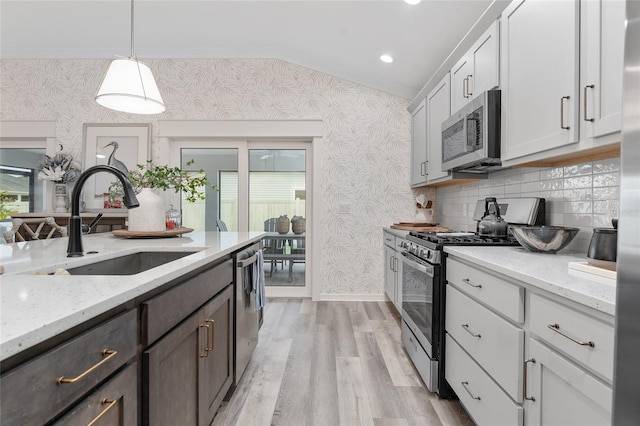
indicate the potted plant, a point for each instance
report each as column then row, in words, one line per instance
column 150, row 177
column 60, row 170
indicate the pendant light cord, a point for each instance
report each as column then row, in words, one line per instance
column 132, row 54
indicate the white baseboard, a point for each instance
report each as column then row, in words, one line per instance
column 349, row 297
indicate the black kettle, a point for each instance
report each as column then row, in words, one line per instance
column 492, row 224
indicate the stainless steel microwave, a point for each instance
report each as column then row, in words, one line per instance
column 471, row 136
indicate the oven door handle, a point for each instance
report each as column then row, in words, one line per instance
column 428, row 270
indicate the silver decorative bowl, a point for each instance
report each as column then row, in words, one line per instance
column 544, row 239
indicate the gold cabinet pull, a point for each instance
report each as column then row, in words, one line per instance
column 206, row 345
column 590, row 86
column 466, row 328
column 213, row 334
column 562, row 126
column 524, row 384
column 469, row 93
column 464, row 385
column 110, row 354
column 111, row 403
column 556, row 328
column 468, row 282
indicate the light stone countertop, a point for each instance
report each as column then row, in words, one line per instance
column 549, row 272
column 397, row 232
column 34, row 308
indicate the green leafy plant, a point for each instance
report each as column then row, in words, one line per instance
column 164, row 177
column 5, row 198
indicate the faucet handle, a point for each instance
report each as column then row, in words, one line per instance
column 85, row 229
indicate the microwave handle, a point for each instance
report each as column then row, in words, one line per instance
column 470, row 145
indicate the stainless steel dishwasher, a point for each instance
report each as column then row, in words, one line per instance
column 246, row 317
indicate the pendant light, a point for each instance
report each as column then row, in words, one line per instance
column 129, row 86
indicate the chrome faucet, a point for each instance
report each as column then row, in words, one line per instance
column 74, row 248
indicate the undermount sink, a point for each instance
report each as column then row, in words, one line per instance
column 129, row 264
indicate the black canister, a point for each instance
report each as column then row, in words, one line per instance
column 604, row 244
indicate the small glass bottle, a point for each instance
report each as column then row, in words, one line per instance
column 173, row 218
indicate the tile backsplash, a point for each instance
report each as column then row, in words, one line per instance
column 584, row 195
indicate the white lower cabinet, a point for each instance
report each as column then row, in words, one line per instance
column 561, row 393
column 393, row 269
column 480, row 395
column 494, row 343
column 551, row 367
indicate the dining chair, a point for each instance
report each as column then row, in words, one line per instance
column 221, row 225
column 272, row 246
column 21, row 231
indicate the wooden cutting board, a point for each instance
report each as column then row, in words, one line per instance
column 418, row 224
column 156, row 234
column 419, row 228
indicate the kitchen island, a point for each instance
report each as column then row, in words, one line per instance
column 37, row 307
column 179, row 315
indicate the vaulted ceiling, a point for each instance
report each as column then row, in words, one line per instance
column 343, row 38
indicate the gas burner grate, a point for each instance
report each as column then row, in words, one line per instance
column 467, row 240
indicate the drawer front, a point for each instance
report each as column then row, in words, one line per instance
column 499, row 294
column 571, row 332
column 495, row 344
column 427, row 368
column 483, row 399
column 389, row 240
column 114, row 403
column 37, row 381
column 161, row 313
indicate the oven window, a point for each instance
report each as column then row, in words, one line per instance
column 417, row 298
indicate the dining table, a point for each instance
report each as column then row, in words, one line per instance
column 297, row 253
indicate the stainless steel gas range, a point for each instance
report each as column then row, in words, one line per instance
column 424, row 286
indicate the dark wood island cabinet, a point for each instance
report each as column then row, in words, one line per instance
column 164, row 358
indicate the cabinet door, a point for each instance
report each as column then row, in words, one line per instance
column 461, row 73
column 216, row 373
column 398, row 282
column 602, row 55
column 389, row 273
column 170, row 375
column 485, row 55
column 438, row 110
column 539, row 70
column 563, row 394
column 419, row 145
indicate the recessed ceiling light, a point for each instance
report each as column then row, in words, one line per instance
column 387, row 59
column 412, row 1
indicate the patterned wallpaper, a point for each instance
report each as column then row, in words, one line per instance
column 364, row 155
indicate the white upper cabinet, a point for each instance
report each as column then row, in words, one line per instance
column 539, row 76
column 478, row 70
column 601, row 55
column 419, row 145
column 438, row 110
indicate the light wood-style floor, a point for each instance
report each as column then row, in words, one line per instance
column 333, row 363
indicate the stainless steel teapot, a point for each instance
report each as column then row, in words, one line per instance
column 492, row 224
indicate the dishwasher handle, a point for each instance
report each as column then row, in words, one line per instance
column 244, row 263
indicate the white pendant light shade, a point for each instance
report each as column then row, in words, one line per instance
column 129, row 86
